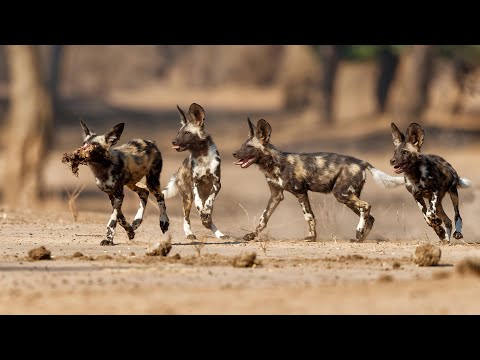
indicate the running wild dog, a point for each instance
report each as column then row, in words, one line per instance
column 198, row 178
column 299, row 173
column 430, row 177
column 126, row 164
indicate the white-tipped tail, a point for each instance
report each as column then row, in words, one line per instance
column 464, row 183
column 171, row 190
column 386, row 180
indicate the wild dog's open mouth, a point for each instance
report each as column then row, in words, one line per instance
column 244, row 163
column 178, row 147
column 400, row 168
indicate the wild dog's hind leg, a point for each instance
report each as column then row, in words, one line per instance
column 117, row 214
column 349, row 197
column 276, row 196
column 458, row 220
column 447, row 223
column 309, row 216
column 143, row 195
column 187, row 205
column 153, row 184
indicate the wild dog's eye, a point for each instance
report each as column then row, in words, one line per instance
column 405, row 152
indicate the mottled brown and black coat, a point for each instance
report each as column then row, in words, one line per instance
column 125, row 165
column 429, row 177
column 198, row 178
column 298, row 173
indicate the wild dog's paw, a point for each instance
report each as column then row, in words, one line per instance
column 191, row 237
column 311, row 238
column 106, row 242
column 224, row 237
column 164, row 226
column 457, row 235
column 250, row 236
column 131, row 234
column 363, row 233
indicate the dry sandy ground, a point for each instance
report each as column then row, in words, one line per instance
column 291, row 277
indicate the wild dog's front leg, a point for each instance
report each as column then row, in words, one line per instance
column 206, row 212
column 143, row 195
column 153, row 184
column 309, row 216
column 275, row 198
column 117, row 214
column 430, row 215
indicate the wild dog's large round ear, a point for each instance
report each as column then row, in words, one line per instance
column 183, row 119
column 196, row 114
column 251, row 128
column 397, row 136
column 415, row 135
column 114, row 135
column 86, row 130
column 264, row 130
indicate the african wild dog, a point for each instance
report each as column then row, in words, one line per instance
column 430, row 177
column 125, row 165
column 198, row 178
column 299, row 173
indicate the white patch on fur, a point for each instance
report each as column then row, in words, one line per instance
column 351, row 189
column 105, row 185
column 432, row 211
column 420, row 206
column 386, row 180
column 140, row 211
column 211, row 199
column 218, row 234
column 100, row 139
column 464, row 183
column 171, row 189
column 277, row 181
column 206, row 164
column 320, row 161
column 113, row 217
column 448, row 232
column 458, row 225
column 198, row 200
column 361, row 222
column 196, row 130
column 186, row 227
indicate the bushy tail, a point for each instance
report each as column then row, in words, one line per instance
column 464, row 183
column 384, row 179
column 171, row 190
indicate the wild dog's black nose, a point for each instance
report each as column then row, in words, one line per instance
column 392, row 161
column 235, row 154
column 174, row 142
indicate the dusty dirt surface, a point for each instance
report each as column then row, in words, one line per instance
column 287, row 276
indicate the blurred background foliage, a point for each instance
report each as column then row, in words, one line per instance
column 45, row 89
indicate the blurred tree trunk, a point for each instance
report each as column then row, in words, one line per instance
column 309, row 75
column 412, row 83
column 28, row 129
column 387, row 67
column 323, row 95
column 55, row 62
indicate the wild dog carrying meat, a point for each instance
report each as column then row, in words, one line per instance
column 116, row 167
column 429, row 177
column 298, row 173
